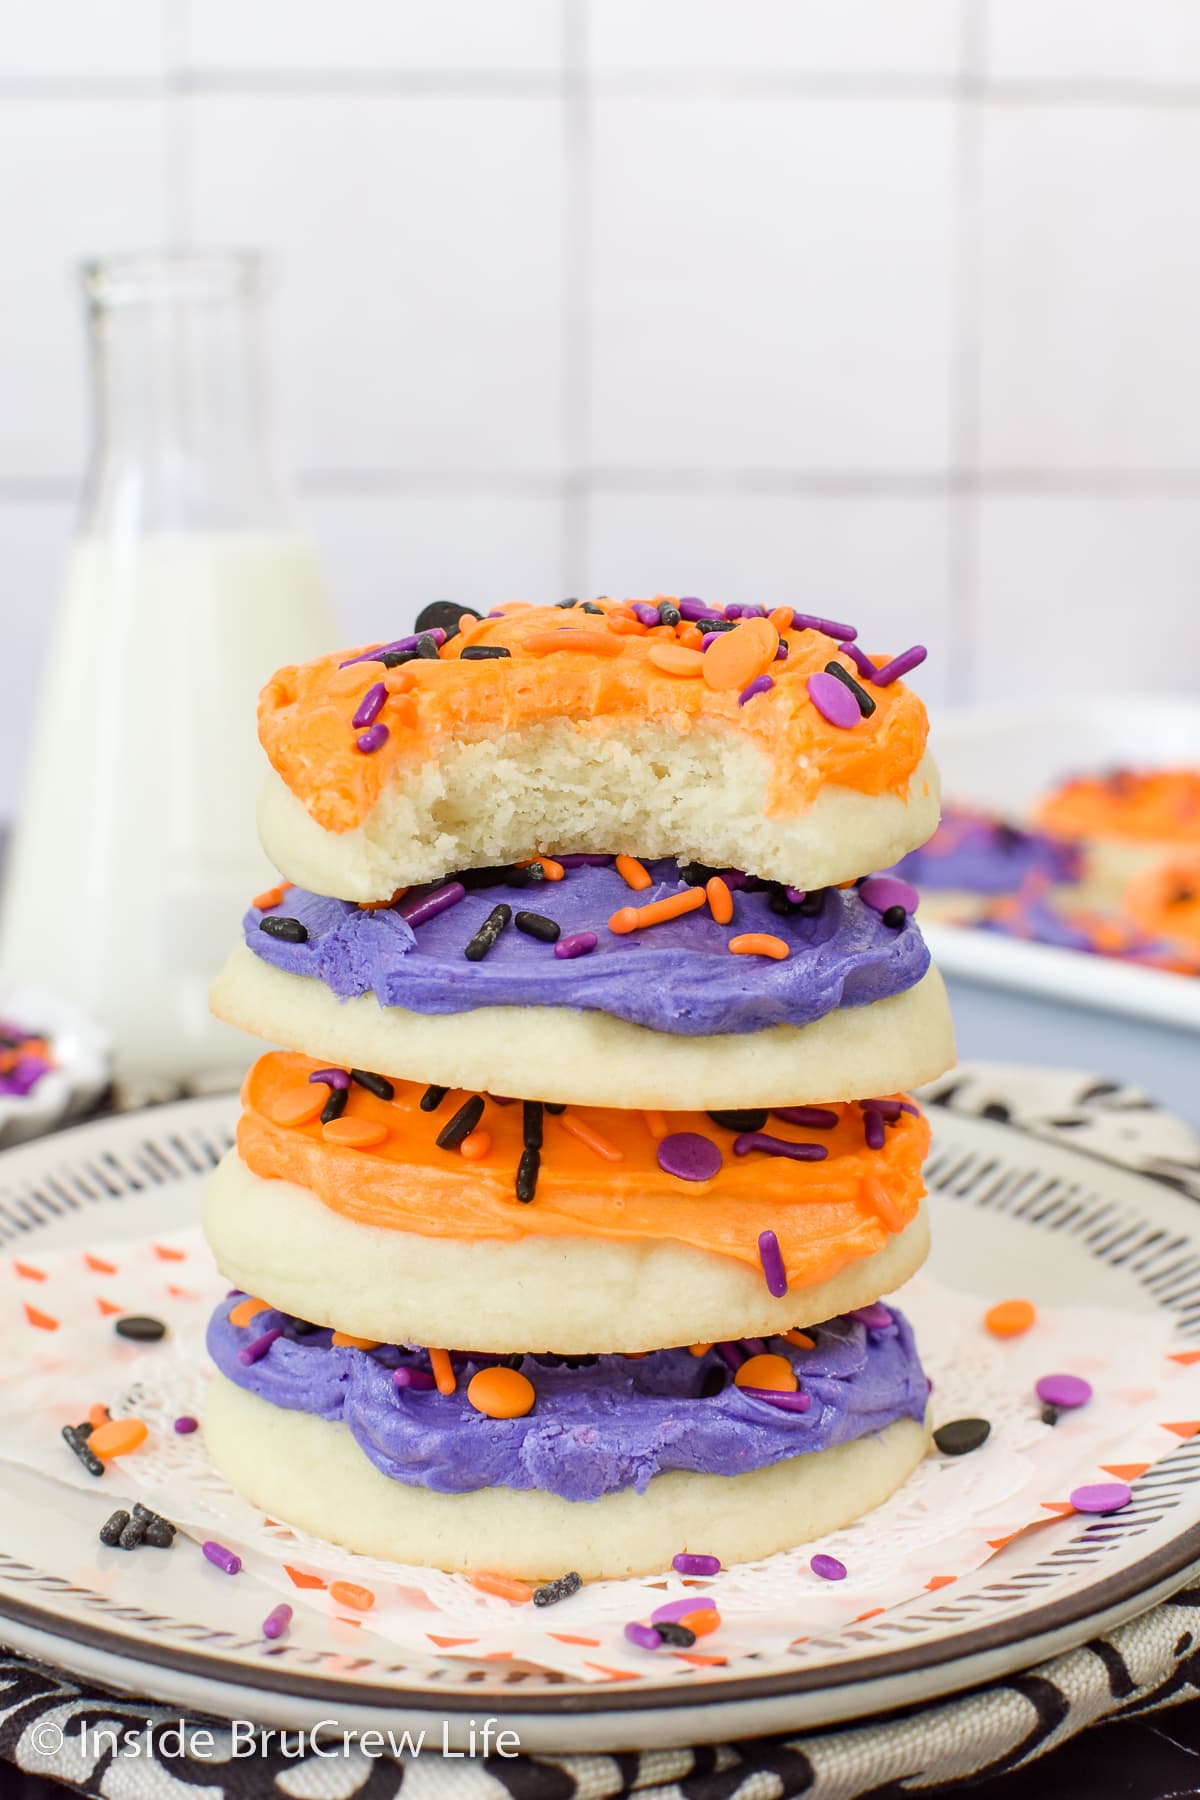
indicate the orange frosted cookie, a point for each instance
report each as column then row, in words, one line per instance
column 773, row 745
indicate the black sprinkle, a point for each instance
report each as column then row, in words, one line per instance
column 587, row 606
column 302, row 1328
column 159, row 1534
column 462, row 1124
column 335, row 1106
column 87, row 1457
column 713, row 1383
column 393, row 659
column 531, row 1124
column 961, row 1436
column 669, row 614
column 444, row 614
column 523, row 878
column 483, row 652
column 379, row 1085
column 555, row 1106
column 896, row 918
column 290, row 930
column 537, row 925
column 866, row 705
column 781, row 905
column 527, row 1173
column 427, row 648
column 151, row 1518
column 85, row 1430
column 563, row 604
column 133, row 1534
column 141, row 1328
column 487, row 934
column 710, row 625
column 432, row 1098
column 740, row 1121
column 811, row 904
column 1049, row 1415
column 696, row 874
column 113, row 1526
column 554, row 1591
column 681, row 1636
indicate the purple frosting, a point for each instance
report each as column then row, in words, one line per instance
column 677, row 977
column 975, row 852
column 604, row 1424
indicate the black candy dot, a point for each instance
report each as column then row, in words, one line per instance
column 961, row 1436
column 141, row 1327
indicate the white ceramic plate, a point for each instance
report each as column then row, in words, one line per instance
column 1011, row 1214
column 1002, row 757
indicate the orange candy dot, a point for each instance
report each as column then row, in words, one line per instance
column 759, row 943
column 739, row 655
column 297, row 1104
column 357, row 1134
column 475, row 1146
column 348, row 1593
column 1010, row 1318
column 720, row 900
column 677, row 659
column 117, row 1438
column 700, row 1623
column 633, row 873
column 767, row 1371
column 501, row 1393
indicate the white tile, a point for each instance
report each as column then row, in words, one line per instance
column 34, row 539
column 874, row 37
column 77, row 178
column 1098, row 591
column 376, row 35
column 1089, row 288
column 1099, row 40
column 84, row 39
column 771, row 284
column 420, row 242
column 386, row 556
column 880, row 564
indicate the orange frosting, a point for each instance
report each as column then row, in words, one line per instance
column 1165, row 902
column 599, row 1176
column 607, row 678
column 1154, row 805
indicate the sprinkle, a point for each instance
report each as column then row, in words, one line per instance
column 586, row 859
column 896, row 918
column 749, row 1119
column 594, row 643
column 774, row 1146
column 185, row 1424
column 277, row 1620
column 373, row 739
column 691, row 608
column 899, row 665
column 531, row 1124
column 644, row 1636
column 552, row 870
column 272, row 897
column 760, row 685
column 554, row 1591
column 345, row 1340
column 158, row 1532
column 633, row 873
column 1049, row 1415
column 772, row 1264
column 291, row 931
column 1063, row 1391
column 695, row 1563
column 505, row 1587
column 527, row 1174
column 689, row 1156
column 785, row 1402
column 113, row 1526
column 335, row 1106
column 254, row 1352
column 334, row 1078
column 593, row 1139
column 832, row 700
column 657, row 1123
column 555, row 1106
column 82, row 1450
column 759, row 943
column 1010, row 1318
column 349, row 1593
column 720, row 900
column 485, row 938
column 668, row 613
column 961, row 1436
column 828, row 1568
column 812, row 1118
column 873, row 1130
column 658, row 912
column 133, row 1534
column 674, row 1610
column 443, row 1371
column 379, row 1085
column 226, row 1560
column 875, row 1197
column 576, row 943
column 370, row 707
column 859, row 658
column 483, row 653
column 644, row 613
column 417, row 912
column 1101, row 1497
column 501, row 1393
column 354, row 1134
column 537, row 925
column 769, row 1373
column 875, row 1317
column 862, row 699
column 476, row 1146
column 881, row 892
column 831, row 628
column 462, row 1124
column 801, row 1340
column 413, row 1378
column 432, row 1098
column 399, row 649
column 245, row 1310
column 141, row 1328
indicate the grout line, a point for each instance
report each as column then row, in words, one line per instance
column 574, row 548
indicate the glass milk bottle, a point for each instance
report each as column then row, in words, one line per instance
column 135, row 852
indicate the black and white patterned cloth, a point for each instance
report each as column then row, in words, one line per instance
column 1150, row 1663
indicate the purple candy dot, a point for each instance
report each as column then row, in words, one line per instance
column 1101, row 1497
column 695, row 1563
column 375, row 738
column 828, row 1568
column 1064, row 1390
column 882, row 891
column 689, row 1156
column 185, row 1424
column 833, row 701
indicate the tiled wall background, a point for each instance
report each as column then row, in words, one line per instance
column 888, row 309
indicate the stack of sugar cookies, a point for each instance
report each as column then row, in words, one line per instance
column 559, row 1227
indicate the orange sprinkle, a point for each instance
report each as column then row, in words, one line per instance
column 476, row 1146
column 358, row 1134
column 625, row 625
column 298, row 1105
column 739, row 655
column 443, row 1371
column 720, row 900
column 553, row 871
column 505, row 1587
column 801, row 1340
column 758, row 943
column 699, row 1349
column 767, row 1371
column 678, row 658
column 702, row 1622
column 345, row 1340
column 97, row 1416
column 378, row 905
column 876, row 1199
column 272, row 897
column 402, row 711
column 117, row 1438
column 657, row 1124
column 1010, row 1318
column 245, row 1310
column 781, row 619
column 501, row 1393
column 635, row 918
column 573, row 637
column 592, row 1139
column 633, row 873
column 688, row 633
column 469, row 627
column 348, row 1593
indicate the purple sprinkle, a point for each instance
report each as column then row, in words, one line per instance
column 370, row 706
column 645, row 615
column 781, row 650
column 813, row 1118
column 644, row 1636
column 831, row 628
column 258, row 1349
column 1101, row 1497
column 690, row 608
column 773, row 1146
column 833, row 701
column 796, row 895
column 679, row 1609
column 690, row 1562
column 226, row 1560
column 772, row 1264
column 890, row 1109
column 873, row 1130
column 689, row 1155
column 761, row 684
column 185, row 1424
column 397, row 648
column 875, row 1317
column 412, row 1378
column 785, row 1402
column 860, row 659
column 416, row 912
column 732, row 1354
column 1064, row 1390
column 277, row 1620
column 899, row 665
column 334, row 1078
column 374, row 739
column 576, row 943
column 581, row 859
column 745, row 612
column 828, row 1568
column 753, row 1346
column 710, row 637
column 882, row 891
